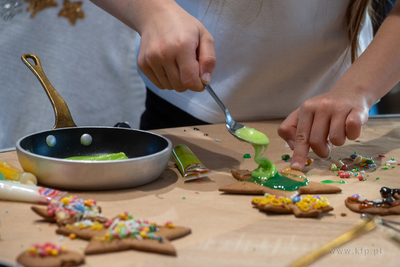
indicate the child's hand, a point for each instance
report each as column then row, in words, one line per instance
column 324, row 121
column 176, row 50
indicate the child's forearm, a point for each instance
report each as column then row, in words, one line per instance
column 377, row 70
column 135, row 13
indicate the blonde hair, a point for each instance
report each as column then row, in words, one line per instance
column 355, row 13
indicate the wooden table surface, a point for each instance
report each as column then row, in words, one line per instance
column 226, row 229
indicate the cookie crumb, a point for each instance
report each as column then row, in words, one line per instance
column 343, row 214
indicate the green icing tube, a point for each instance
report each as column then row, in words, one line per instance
column 188, row 164
column 115, row 156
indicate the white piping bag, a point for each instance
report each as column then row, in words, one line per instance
column 28, row 193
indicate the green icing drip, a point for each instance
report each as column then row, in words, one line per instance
column 115, row 156
column 332, row 182
column 267, row 174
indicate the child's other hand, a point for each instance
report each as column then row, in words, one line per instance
column 324, row 121
column 176, row 50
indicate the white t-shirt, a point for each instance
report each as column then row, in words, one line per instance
column 271, row 56
column 92, row 65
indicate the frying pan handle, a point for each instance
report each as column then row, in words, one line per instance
column 122, row 124
column 61, row 111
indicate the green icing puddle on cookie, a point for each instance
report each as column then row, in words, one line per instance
column 267, row 174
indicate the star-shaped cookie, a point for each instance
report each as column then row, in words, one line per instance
column 125, row 232
column 39, row 5
column 245, row 187
column 72, row 11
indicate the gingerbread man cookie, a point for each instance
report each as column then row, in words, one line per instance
column 248, row 187
column 70, row 209
column 310, row 206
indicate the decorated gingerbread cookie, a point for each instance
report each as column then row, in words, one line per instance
column 266, row 178
column 389, row 204
column 49, row 255
column 290, row 183
column 126, row 232
column 69, row 210
column 309, row 206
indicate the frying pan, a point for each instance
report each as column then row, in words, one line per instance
column 44, row 153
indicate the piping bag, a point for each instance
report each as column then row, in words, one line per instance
column 14, row 191
column 188, row 164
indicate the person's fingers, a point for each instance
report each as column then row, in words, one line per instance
column 206, row 57
column 337, row 131
column 301, row 145
column 319, row 133
column 174, row 78
column 147, row 70
column 287, row 129
column 189, row 67
column 151, row 67
column 162, row 76
column 355, row 120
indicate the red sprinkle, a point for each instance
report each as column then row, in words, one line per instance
column 360, row 178
column 382, row 156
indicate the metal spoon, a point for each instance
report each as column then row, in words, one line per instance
column 230, row 124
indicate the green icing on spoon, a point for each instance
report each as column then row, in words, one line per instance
column 266, row 174
column 252, row 135
column 115, row 156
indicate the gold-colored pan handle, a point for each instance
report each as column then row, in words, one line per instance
column 61, row 110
